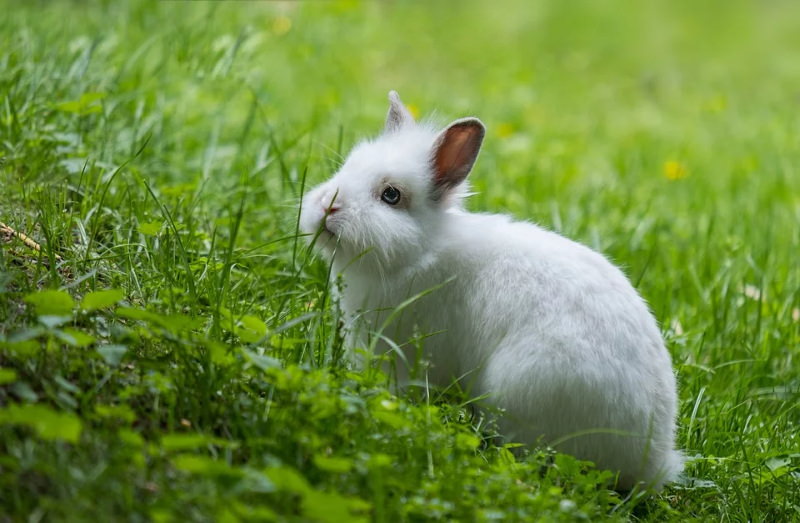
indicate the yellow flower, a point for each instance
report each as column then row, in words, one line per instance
column 504, row 130
column 716, row 104
column 281, row 25
column 674, row 170
column 414, row 110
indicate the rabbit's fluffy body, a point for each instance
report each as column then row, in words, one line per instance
column 543, row 327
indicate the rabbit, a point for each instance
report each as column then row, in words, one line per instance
column 546, row 330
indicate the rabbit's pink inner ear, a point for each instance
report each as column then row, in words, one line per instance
column 398, row 115
column 455, row 152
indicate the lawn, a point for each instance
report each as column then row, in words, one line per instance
column 174, row 351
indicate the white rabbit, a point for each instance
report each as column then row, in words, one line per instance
column 543, row 327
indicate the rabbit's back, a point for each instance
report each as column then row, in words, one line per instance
column 555, row 334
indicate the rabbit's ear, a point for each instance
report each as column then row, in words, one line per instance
column 398, row 115
column 454, row 153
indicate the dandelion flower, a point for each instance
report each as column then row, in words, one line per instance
column 674, row 170
column 504, row 130
column 414, row 110
column 281, row 25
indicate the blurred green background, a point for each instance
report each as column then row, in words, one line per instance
column 160, row 149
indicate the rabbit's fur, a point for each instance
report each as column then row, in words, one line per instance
column 543, row 327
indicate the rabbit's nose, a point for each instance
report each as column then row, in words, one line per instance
column 328, row 202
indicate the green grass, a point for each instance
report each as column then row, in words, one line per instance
column 160, row 150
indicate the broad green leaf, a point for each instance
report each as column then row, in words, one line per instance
column 66, row 384
column 177, row 323
column 257, row 481
column 333, row 508
column 25, row 335
column 56, row 303
column 288, row 479
column 149, row 228
column 174, row 323
column 333, row 464
column 219, row 353
column 47, row 423
column 138, row 314
column 24, row 391
column 173, row 442
column 251, row 329
column 112, row 354
column 389, row 404
column 261, row 361
column 396, row 421
column 178, row 189
column 776, row 463
column 7, row 376
column 227, row 317
column 235, row 511
column 190, row 441
column 122, row 412
column 101, row 299
column 205, row 466
column 51, row 322
column 24, row 347
column 74, row 337
column 285, row 343
column 88, row 103
column 380, row 460
column 467, row 441
column 505, row 456
column 131, row 438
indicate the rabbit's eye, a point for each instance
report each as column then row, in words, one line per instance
column 390, row 195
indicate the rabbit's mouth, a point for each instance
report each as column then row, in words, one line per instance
column 327, row 229
column 324, row 238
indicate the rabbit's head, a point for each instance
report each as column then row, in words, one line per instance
column 387, row 201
